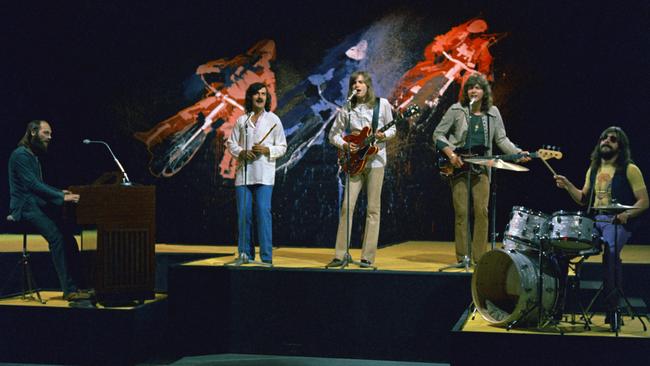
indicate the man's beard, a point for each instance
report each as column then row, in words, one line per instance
column 38, row 146
column 607, row 153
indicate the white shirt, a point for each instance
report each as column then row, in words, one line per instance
column 262, row 169
column 358, row 118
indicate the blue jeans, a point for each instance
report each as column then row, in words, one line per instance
column 614, row 236
column 62, row 244
column 262, row 200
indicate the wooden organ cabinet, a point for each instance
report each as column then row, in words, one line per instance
column 124, row 240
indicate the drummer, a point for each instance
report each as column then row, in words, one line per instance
column 617, row 182
column 472, row 126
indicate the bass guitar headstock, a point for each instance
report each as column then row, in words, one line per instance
column 549, row 152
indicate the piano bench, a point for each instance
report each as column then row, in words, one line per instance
column 29, row 285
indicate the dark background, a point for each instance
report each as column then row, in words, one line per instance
column 95, row 70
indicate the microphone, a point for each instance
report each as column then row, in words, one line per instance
column 354, row 92
column 125, row 180
column 249, row 115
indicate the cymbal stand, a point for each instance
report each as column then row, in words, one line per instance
column 493, row 209
column 617, row 291
column 541, row 317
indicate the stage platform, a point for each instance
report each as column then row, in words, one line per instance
column 569, row 343
column 407, row 310
column 406, row 256
column 55, row 333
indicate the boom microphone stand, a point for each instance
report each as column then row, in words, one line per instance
column 243, row 258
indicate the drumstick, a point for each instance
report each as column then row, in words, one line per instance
column 262, row 140
column 549, row 167
column 267, row 134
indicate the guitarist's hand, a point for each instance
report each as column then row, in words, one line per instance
column 456, row 160
column 247, row 155
column 351, row 147
column 525, row 158
column 380, row 135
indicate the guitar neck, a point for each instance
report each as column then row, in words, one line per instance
column 513, row 157
column 371, row 139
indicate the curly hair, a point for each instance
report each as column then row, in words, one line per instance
column 624, row 157
column 480, row 80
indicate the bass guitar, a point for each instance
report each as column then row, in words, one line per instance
column 448, row 170
column 353, row 163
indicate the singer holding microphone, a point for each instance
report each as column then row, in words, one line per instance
column 257, row 140
column 38, row 204
column 361, row 107
column 473, row 124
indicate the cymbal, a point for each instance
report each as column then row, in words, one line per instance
column 497, row 163
column 615, row 208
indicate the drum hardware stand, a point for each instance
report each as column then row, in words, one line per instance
column 575, row 289
column 493, row 220
column 540, row 291
column 243, row 258
column 616, row 320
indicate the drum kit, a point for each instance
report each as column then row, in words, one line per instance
column 525, row 282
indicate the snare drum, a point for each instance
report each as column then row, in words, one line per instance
column 572, row 231
column 526, row 226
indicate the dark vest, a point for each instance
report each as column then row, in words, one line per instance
column 621, row 190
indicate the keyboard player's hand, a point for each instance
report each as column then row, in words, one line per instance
column 70, row 197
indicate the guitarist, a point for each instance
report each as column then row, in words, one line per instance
column 363, row 106
column 473, row 124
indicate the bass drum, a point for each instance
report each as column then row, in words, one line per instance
column 505, row 283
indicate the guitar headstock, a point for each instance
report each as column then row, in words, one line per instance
column 549, row 152
column 411, row 111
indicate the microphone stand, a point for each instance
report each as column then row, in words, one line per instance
column 242, row 258
column 125, row 178
column 493, row 210
column 467, row 258
column 347, row 257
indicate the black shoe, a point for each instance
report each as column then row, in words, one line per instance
column 335, row 263
column 77, row 295
column 365, row 263
column 267, row 261
column 87, row 304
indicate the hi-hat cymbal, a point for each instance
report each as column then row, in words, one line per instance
column 615, row 208
column 497, row 163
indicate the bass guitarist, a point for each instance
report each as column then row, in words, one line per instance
column 473, row 125
column 364, row 110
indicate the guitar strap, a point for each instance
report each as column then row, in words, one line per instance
column 375, row 116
